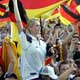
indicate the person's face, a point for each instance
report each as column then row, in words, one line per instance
column 64, row 67
column 10, row 79
column 75, row 42
column 35, row 29
column 57, row 32
column 1, row 72
column 46, row 34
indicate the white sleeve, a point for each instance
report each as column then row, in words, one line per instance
column 23, row 40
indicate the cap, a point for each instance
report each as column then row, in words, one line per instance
column 48, row 70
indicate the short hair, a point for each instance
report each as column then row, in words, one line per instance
column 57, row 26
column 10, row 75
column 32, row 21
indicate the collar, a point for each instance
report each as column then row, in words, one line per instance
column 33, row 38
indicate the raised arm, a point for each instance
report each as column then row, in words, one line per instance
column 17, row 15
column 69, row 37
column 11, row 56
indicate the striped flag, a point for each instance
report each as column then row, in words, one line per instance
column 4, row 18
column 3, row 14
column 22, row 12
column 35, row 8
column 2, row 9
column 70, row 13
column 3, row 1
column 56, row 11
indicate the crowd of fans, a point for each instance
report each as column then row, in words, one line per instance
column 50, row 50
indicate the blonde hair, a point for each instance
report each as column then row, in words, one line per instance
column 32, row 21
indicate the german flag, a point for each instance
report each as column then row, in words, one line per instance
column 3, row 1
column 4, row 18
column 56, row 11
column 36, row 8
column 70, row 13
column 3, row 14
column 22, row 12
column 2, row 9
column 54, row 14
column 33, row 8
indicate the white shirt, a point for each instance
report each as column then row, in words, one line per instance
column 32, row 58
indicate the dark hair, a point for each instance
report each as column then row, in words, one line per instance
column 10, row 75
column 57, row 26
column 57, row 41
column 43, row 77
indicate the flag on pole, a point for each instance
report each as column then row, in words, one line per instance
column 22, row 12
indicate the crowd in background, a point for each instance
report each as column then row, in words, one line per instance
column 50, row 51
column 65, row 44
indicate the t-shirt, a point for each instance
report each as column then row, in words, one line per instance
column 33, row 56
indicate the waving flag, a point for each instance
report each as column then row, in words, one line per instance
column 35, row 8
column 4, row 18
column 3, row 14
column 70, row 13
column 22, row 12
column 3, row 1
column 2, row 9
column 54, row 13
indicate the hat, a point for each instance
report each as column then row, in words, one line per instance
column 48, row 70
